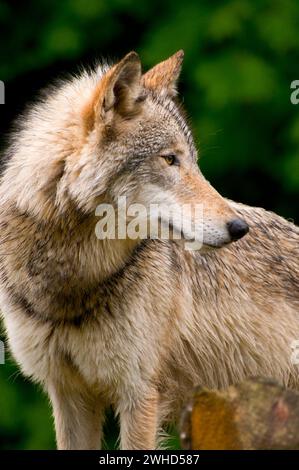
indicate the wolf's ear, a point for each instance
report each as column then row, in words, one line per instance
column 164, row 76
column 118, row 91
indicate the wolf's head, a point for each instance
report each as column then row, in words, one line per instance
column 141, row 136
column 117, row 132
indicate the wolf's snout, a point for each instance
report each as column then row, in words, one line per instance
column 237, row 228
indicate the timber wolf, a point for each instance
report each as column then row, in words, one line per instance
column 127, row 323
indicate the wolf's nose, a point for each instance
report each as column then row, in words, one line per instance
column 237, row 229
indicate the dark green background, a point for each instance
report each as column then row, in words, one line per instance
column 240, row 59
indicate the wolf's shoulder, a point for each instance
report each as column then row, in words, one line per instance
column 266, row 221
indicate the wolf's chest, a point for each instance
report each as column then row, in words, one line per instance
column 109, row 352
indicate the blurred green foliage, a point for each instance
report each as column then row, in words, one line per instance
column 240, row 59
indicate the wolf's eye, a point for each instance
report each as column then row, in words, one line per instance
column 170, row 159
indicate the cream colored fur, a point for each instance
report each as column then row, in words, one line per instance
column 128, row 323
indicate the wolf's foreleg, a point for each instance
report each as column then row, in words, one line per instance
column 139, row 424
column 78, row 417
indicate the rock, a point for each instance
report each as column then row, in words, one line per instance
column 255, row 414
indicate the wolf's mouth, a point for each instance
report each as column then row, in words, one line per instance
column 216, row 246
column 181, row 236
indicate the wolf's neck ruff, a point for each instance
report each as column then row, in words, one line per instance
column 80, row 272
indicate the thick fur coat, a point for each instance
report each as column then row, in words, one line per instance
column 128, row 323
